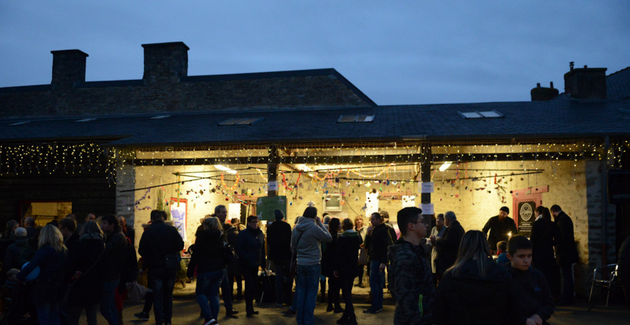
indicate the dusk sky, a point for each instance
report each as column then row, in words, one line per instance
column 396, row 52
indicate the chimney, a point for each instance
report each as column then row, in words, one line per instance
column 68, row 68
column 165, row 62
column 586, row 83
column 542, row 93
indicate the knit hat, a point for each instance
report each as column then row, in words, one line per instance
column 20, row 232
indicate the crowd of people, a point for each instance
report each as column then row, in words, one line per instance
column 437, row 272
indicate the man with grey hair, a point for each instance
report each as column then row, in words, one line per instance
column 448, row 245
column 29, row 224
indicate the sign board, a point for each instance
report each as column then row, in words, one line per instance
column 526, row 216
column 408, row 201
column 266, row 205
column 427, row 208
column 371, row 203
column 426, row 187
column 272, row 186
column 619, row 186
column 178, row 213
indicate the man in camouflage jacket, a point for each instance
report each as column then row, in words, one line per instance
column 413, row 280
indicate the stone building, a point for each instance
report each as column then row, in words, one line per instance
column 309, row 137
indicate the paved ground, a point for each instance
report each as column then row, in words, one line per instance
column 186, row 311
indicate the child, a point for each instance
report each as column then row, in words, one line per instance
column 9, row 289
column 534, row 296
column 502, row 248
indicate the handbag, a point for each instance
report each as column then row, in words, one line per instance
column 229, row 256
column 293, row 265
column 363, row 256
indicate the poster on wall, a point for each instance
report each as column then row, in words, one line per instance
column 266, row 205
column 178, row 214
column 408, row 201
column 234, row 211
column 526, row 216
column 371, row 203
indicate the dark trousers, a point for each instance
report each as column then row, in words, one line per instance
column 226, row 292
column 249, row 274
column 361, row 272
column 568, row 289
column 334, row 285
column 346, row 292
column 282, row 277
column 234, row 275
column 162, row 280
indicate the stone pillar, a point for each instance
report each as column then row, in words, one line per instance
column 425, row 171
column 272, row 168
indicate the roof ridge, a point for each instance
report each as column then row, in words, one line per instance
column 626, row 68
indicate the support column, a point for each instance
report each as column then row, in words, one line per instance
column 272, row 168
column 425, row 171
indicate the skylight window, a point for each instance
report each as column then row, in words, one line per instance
column 241, row 121
column 159, row 117
column 20, row 123
column 355, row 119
column 85, row 120
column 482, row 114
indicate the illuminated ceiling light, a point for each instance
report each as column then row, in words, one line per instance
column 445, row 166
column 225, row 169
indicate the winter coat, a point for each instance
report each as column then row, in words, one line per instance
column 566, row 250
column 534, row 295
column 12, row 255
column 346, row 259
column 412, row 283
column 377, row 242
column 87, row 258
column 448, row 246
column 306, row 239
column 543, row 237
column 250, row 248
column 158, row 241
column 208, row 252
column 434, row 250
column 279, row 241
column 328, row 255
column 499, row 230
column 114, row 257
column 469, row 298
column 48, row 287
column 624, row 264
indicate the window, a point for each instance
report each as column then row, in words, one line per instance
column 20, row 123
column 482, row 114
column 355, row 119
column 159, row 117
column 241, row 121
column 86, row 120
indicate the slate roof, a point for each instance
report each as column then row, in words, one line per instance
column 559, row 118
column 618, row 84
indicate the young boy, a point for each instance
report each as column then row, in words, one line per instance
column 533, row 292
column 502, row 247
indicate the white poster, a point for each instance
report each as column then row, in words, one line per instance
column 371, row 203
column 234, row 211
column 178, row 213
column 427, row 208
column 426, row 187
column 272, row 186
column 408, row 201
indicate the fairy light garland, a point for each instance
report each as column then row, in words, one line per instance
column 238, row 178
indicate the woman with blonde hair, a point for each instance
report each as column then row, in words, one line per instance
column 47, row 291
column 207, row 257
column 475, row 290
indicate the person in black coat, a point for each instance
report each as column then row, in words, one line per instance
column 113, row 262
column 161, row 246
column 208, row 259
column 566, row 254
column 376, row 242
column 346, row 267
column 476, row 290
column 328, row 262
column 624, row 267
column 448, row 245
column 543, row 236
column 279, row 251
column 250, row 248
column 83, row 270
column 500, row 227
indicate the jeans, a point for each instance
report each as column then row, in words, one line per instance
column 74, row 313
column 108, row 302
column 307, row 285
column 226, row 291
column 49, row 313
column 377, row 281
column 162, row 280
column 282, row 271
column 207, row 290
column 567, row 289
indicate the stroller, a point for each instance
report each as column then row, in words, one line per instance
column 16, row 308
